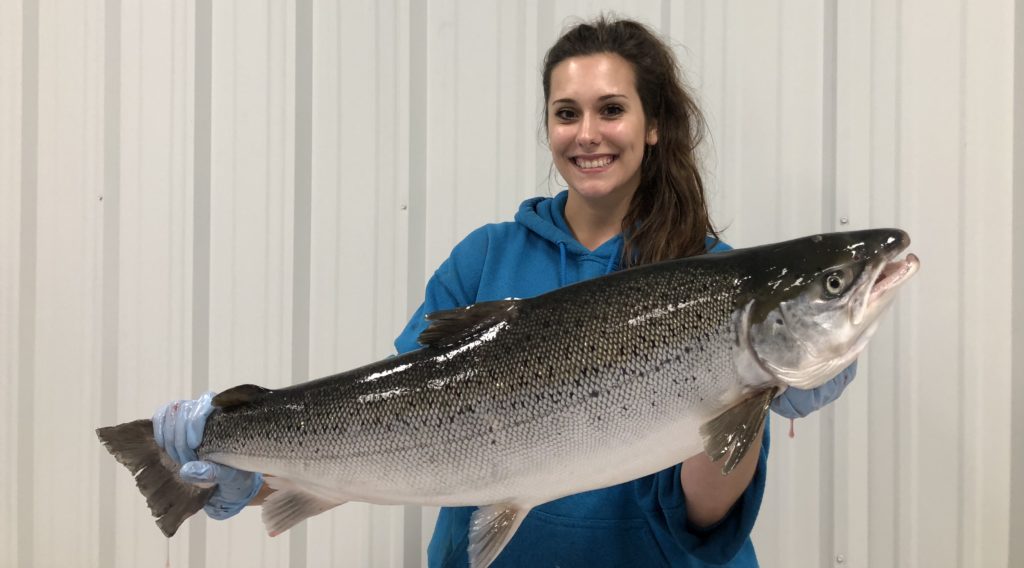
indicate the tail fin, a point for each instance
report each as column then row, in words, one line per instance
column 169, row 498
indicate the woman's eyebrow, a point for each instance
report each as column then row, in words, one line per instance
column 601, row 98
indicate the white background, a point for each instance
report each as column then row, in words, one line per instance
column 197, row 194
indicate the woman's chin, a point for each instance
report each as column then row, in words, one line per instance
column 591, row 191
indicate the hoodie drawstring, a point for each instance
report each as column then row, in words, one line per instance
column 563, row 278
column 561, row 272
column 611, row 261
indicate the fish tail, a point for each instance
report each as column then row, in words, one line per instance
column 170, row 499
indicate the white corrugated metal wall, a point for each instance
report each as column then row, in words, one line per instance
column 199, row 194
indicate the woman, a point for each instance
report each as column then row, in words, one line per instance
column 622, row 132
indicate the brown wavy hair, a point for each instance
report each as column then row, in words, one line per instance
column 668, row 215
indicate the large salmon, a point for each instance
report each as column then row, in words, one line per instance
column 514, row 403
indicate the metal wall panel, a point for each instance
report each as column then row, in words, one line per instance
column 358, row 215
column 910, row 442
column 986, row 379
column 1016, row 302
column 12, row 39
column 68, row 287
column 251, row 198
column 153, row 244
column 276, row 219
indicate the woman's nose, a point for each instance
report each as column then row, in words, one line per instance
column 589, row 133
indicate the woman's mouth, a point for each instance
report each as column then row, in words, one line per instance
column 592, row 163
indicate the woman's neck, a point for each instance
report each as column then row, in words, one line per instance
column 595, row 221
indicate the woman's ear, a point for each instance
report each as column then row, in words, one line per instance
column 652, row 136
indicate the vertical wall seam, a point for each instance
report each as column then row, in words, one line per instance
column 416, row 211
column 396, row 133
column 230, row 188
column 780, row 124
column 900, row 421
column 302, row 226
column 1016, row 521
column 375, row 255
column 519, row 102
column 378, row 71
column 830, row 74
column 201, row 182
column 417, row 152
column 728, row 140
column 173, row 120
column 456, row 156
column 268, row 352
column 961, row 409
column 27, row 281
column 903, row 421
column 544, row 168
column 496, row 206
column 111, row 204
column 829, row 125
column 339, row 129
column 872, row 182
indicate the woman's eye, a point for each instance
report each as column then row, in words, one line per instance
column 565, row 114
column 613, row 110
column 834, row 283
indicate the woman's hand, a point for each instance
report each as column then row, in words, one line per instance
column 796, row 403
column 178, row 429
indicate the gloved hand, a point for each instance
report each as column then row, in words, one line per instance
column 796, row 403
column 178, row 429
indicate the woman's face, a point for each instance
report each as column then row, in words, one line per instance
column 596, row 126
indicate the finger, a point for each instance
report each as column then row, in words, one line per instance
column 197, row 419
column 167, row 430
column 783, row 405
column 849, row 373
column 181, row 421
column 232, row 484
column 202, row 473
column 158, row 424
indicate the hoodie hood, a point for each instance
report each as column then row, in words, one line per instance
column 546, row 218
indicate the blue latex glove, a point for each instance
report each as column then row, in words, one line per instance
column 796, row 403
column 178, row 429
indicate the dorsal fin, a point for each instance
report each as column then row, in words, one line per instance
column 237, row 396
column 450, row 327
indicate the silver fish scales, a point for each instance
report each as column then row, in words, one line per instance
column 514, row 403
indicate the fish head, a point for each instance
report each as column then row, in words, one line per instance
column 812, row 304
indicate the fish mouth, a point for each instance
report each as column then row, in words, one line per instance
column 893, row 274
column 886, row 278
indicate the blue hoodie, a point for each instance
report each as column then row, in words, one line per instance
column 639, row 523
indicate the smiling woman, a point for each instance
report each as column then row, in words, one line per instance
column 623, row 132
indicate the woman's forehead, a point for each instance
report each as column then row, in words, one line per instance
column 592, row 77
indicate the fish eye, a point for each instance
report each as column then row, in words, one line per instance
column 834, row 283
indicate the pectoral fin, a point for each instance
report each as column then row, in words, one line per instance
column 291, row 504
column 490, row 529
column 735, row 429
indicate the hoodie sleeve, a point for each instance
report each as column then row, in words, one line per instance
column 661, row 497
column 454, row 284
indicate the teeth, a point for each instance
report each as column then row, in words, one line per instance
column 598, row 163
